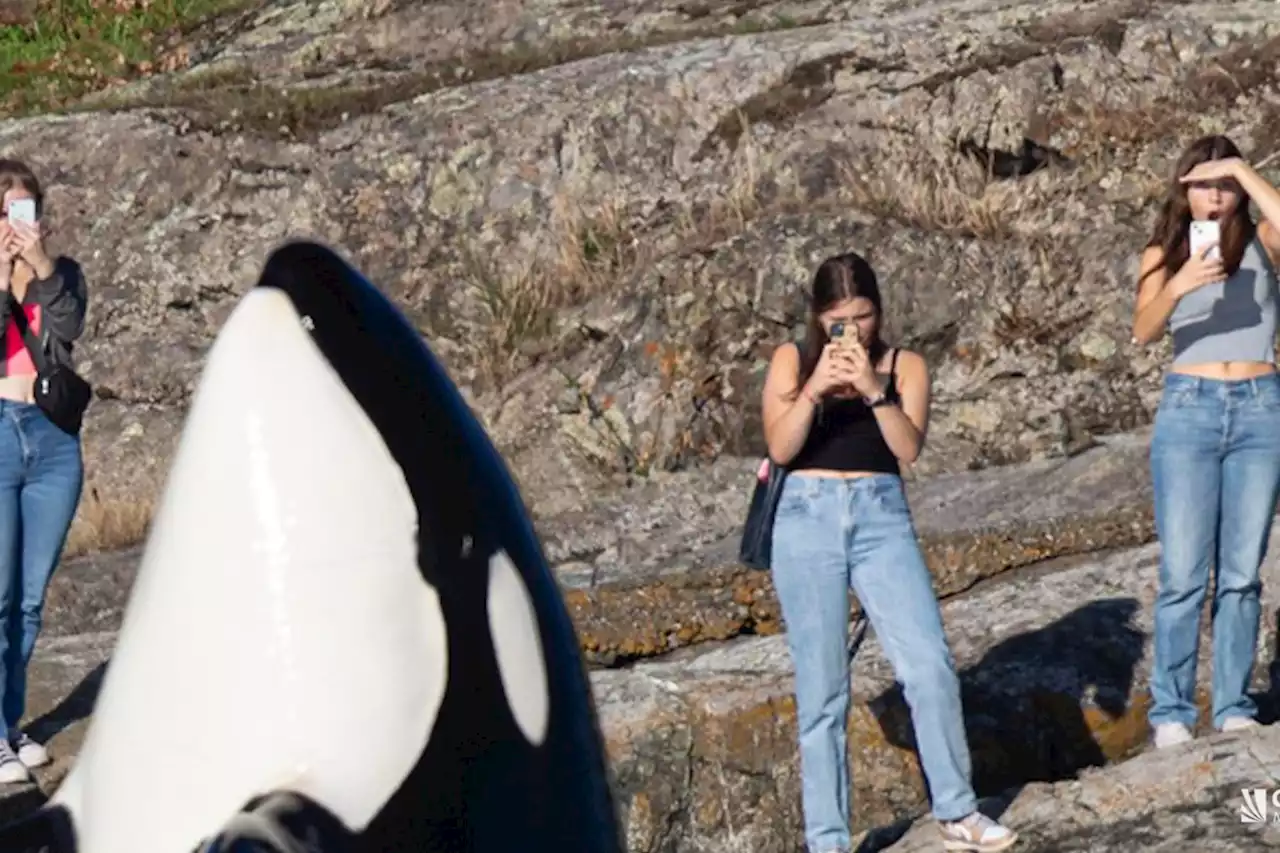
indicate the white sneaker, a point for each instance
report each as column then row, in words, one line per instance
column 1171, row 734
column 1235, row 724
column 12, row 771
column 977, row 832
column 29, row 752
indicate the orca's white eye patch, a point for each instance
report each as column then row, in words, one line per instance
column 513, row 628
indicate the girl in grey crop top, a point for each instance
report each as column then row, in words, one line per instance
column 1215, row 444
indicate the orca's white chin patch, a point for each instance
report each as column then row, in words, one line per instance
column 279, row 633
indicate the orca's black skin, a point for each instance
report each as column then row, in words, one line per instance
column 478, row 786
column 48, row 830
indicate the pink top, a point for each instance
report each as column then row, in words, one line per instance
column 17, row 360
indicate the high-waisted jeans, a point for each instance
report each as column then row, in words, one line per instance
column 830, row 535
column 40, row 481
column 1215, row 468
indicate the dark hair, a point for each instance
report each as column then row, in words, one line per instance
column 1174, row 220
column 15, row 173
column 838, row 278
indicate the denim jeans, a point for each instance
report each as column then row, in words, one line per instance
column 40, row 479
column 1215, row 469
column 830, row 535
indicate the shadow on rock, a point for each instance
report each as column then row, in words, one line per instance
column 1269, row 700
column 1042, row 706
column 77, row 706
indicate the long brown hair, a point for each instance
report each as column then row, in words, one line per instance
column 1174, row 219
column 838, row 278
column 15, row 173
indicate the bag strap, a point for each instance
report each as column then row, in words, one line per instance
column 29, row 339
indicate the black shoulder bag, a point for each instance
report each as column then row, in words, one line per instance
column 756, row 548
column 59, row 391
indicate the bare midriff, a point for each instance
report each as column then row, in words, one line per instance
column 825, row 472
column 1226, row 369
column 20, row 388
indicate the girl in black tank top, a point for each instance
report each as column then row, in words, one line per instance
column 845, row 435
column 841, row 430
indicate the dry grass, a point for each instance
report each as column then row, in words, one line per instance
column 108, row 525
column 939, row 189
column 593, row 248
column 1097, row 130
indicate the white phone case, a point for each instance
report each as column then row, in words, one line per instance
column 1204, row 232
column 22, row 210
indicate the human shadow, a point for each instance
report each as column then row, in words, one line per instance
column 75, row 706
column 1236, row 307
column 1268, row 698
column 1044, row 705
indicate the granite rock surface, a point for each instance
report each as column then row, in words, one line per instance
column 604, row 217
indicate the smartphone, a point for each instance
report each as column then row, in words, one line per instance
column 23, row 210
column 1203, row 232
column 842, row 334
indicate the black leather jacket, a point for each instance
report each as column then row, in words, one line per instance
column 63, row 300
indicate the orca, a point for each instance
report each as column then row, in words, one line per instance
column 344, row 635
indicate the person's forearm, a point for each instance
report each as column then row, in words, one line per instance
column 1265, row 196
column 44, row 267
column 787, row 434
column 1150, row 323
column 899, row 432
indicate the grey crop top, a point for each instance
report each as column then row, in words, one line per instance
column 1232, row 320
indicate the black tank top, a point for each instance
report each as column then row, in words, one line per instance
column 845, row 435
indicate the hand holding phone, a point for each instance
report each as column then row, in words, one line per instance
column 1204, row 264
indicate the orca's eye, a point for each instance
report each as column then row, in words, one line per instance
column 517, row 644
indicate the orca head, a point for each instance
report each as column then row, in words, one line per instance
column 342, row 602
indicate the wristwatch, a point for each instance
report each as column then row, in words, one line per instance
column 878, row 400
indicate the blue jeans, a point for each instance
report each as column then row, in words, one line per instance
column 1215, row 468
column 40, row 479
column 830, row 535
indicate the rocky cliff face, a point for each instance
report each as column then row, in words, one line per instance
column 604, row 216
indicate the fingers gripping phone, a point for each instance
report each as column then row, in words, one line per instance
column 1203, row 233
